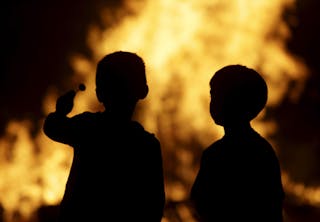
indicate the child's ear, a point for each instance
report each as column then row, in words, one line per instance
column 144, row 92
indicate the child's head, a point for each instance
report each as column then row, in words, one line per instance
column 121, row 79
column 238, row 94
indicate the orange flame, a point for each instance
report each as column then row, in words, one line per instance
column 182, row 43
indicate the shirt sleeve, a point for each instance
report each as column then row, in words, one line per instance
column 63, row 129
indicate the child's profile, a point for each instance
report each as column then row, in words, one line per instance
column 239, row 178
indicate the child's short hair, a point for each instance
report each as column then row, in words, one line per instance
column 122, row 70
column 242, row 92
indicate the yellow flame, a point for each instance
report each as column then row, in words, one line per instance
column 183, row 43
column 18, row 184
column 305, row 194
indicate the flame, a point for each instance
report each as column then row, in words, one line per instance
column 183, row 43
column 304, row 194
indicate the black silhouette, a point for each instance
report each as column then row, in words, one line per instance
column 116, row 173
column 239, row 177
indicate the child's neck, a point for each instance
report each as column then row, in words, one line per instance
column 238, row 127
column 117, row 116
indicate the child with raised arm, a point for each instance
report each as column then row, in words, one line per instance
column 116, row 173
column 239, row 177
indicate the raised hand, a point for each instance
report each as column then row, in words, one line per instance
column 64, row 103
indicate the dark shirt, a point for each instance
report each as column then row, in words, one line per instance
column 116, row 173
column 239, row 180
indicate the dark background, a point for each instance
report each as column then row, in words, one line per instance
column 38, row 36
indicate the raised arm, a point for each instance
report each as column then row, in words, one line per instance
column 57, row 125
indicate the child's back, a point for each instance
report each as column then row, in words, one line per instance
column 117, row 166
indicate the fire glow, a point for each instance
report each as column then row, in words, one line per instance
column 183, row 43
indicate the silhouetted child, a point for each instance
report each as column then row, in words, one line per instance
column 116, row 173
column 239, row 177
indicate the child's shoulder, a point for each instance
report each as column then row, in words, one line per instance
column 88, row 115
column 214, row 148
column 140, row 131
column 87, row 119
column 139, row 128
